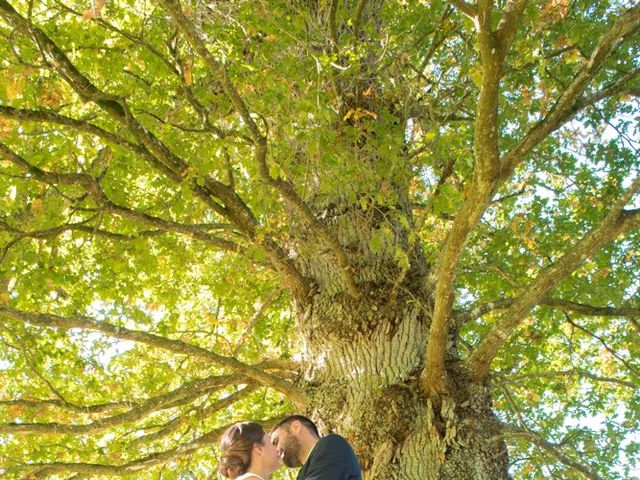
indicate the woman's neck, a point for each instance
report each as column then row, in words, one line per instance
column 259, row 470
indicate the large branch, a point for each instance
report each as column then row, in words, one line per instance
column 574, row 372
column 566, row 305
column 266, row 304
column 118, row 109
column 49, row 116
column 493, row 50
column 631, row 219
column 286, row 189
column 568, row 104
column 469, row 10
column 508, row 26
column 357, row 19
column 549, row 447
column 211, row 192
column 47, row 403
column 46, row 470
column 618, row 87
column 590, row 310
column 172, row 67
column 186, row 27
column 201, row 414
column 604, row 344
column 175, row 346
column 477, row 311
column 57, row 403
column 179, row 396
column 93, row 188
column 616, row 222
column 76, row 227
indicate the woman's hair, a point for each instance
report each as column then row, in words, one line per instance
column 236, row 445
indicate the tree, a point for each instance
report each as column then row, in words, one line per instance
column 415, row 221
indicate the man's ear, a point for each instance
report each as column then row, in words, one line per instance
column 295, row 427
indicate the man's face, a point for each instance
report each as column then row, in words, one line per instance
column 287, row 445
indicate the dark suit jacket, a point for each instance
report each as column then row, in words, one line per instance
column 331, row 459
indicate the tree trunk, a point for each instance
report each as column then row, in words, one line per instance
column 365, row 386
column 363, row 356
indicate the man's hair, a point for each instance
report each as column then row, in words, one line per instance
column 299, row 418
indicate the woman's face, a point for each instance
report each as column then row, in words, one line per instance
column 270, row 458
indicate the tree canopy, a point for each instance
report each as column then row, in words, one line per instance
column 170, row 178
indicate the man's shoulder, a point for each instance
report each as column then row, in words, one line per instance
column 333, row 439
column 331, row 458
column 332, row 443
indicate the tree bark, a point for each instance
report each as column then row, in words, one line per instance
column 362, row 368
column 362, row 360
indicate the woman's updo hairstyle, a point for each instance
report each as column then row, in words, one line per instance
column 236, row 445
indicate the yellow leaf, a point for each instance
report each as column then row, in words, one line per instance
column 186, row 72
column 5, row 127
column 362, row 113
column 555, row 10
column 51, row 96
column 15, row 411
column 430, row 135
column 36, row 205
column 15, row 87
column 98, row 5
column 359, row 113
column 477, row 75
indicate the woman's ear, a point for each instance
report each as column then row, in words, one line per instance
column 258, row 448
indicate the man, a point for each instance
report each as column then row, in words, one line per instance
column 298, row 443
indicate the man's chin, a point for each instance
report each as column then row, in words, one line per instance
column 291, row 463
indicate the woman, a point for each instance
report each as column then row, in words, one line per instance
column 247, row 453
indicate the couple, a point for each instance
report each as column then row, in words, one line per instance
column 250, row 453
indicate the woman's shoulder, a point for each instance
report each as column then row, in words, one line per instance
column 249, row 476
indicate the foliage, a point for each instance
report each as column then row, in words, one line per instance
column 149, row 229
